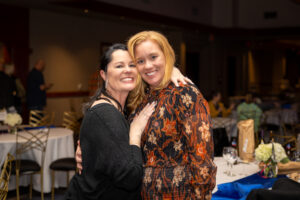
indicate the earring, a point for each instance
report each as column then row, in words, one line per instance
column 106, row 81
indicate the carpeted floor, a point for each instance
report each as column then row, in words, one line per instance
column 24, row 194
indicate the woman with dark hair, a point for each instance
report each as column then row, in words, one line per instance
column 111, row 158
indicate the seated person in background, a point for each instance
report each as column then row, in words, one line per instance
column 249, row 110
column 217, row 108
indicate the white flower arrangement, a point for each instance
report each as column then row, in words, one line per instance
column 263, row 153
column 13, row 119
column 269, row 155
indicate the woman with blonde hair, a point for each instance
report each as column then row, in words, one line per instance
column 177, row 141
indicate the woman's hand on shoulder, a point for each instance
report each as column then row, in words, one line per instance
column 139, row 123
column 177, row 77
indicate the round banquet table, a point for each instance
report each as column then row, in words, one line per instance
column 240, row 170
column 60, row 145
column 278, row 116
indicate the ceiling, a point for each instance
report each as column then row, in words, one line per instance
column 107, row 11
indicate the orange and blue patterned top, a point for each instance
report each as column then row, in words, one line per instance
column 177, row 145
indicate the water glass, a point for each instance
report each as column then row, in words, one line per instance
column 297, row 156
column 226, row 156
column 233, row 156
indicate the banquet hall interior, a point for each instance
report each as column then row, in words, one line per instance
column 234, row 47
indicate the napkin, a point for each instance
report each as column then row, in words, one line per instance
column 239, row 189
column 38, row 127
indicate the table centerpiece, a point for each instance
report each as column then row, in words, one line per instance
column 269, row 155
column 12, row 120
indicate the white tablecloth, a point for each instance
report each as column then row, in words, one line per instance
column 278, row 116
column 240, row 170
column 226, row 122
column 60, row 144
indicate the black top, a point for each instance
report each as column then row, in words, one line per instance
column 112, row 169
column 35, row 96
column 7, row 89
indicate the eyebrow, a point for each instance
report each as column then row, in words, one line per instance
column 118, row 62
column 122, row 62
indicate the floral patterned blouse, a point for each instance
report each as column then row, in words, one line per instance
column 177, row 145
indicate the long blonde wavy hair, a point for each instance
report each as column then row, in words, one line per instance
column 136, row 96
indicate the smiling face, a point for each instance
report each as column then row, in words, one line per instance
column 151, row 62
column 121, row 73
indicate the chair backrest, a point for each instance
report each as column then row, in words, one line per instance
column 284, row 140
column 70, row 121
column 5, row 175
column 40, row 118
column 289, row 129
column 31, row 140
column 220, row 139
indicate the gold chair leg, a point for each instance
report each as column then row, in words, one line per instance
column 17, row 184
column 52, row 185
column 30, row 187
column 42, row 183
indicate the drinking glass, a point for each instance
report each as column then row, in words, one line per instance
column 297, row 156
column 226, row 151
column 232, row 158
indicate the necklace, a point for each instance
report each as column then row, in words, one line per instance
column 108, row 97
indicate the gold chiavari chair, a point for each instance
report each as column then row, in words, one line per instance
column 71, row 122
column 40, row 118
column 291, row 129
column 29, row 140
column 284, row 140
column 5, row 175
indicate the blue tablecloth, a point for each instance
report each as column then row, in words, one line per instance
column 4, row 131
column 39, row 127
column 239, row 189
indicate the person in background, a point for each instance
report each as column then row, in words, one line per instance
column 20, row 96
column 177, row 142
column 7, row 90
column 249, row 110
column 217, row 108
column 36, row 87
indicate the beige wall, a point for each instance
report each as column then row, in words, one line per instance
column 70, row 46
